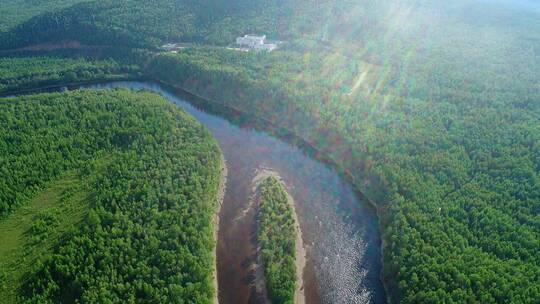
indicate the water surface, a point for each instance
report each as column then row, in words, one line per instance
column 340, row 232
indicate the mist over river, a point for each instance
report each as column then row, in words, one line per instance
column 340, row 232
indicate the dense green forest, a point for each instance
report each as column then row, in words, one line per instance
column 18, row 73
column 15, row 12
column 146, row 177
column 137, row 24
column 456, row 182
column 276, row 236
column 448, row 148
column 432, row 109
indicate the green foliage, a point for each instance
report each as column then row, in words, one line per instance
column 448, row 148
column 431, row 107
column 30, row 233
column 276, row 236
column 43, row 224
column 37, row 148
column 17, row 73
column 147, row 236
column 135, row 23
column 14, row 12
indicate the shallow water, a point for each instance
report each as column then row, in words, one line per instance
column 340, row 232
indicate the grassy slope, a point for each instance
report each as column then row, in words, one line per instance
column 60, row 206
column 33, row 232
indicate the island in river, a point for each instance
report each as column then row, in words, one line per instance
column 281, row 257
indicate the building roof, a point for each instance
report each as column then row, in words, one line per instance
column 255, row 36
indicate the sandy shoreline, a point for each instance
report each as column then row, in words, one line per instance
column 220, row 196
column 300, row 251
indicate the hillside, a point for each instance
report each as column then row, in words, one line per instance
column 26, row 73
column 106, row 196
column 441, row 134
column 134, row 23
column 432, row 109
column 18, row 11
column 456, row 183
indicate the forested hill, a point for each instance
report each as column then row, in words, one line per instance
column 433, row 108
column 138, row 24
column 436, row 118
column 456, row 178
column 14, row 12
column 140, row 178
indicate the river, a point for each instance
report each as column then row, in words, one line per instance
column 340, row 232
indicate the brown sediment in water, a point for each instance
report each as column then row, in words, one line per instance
column 235, row 250
column 259, row 283
column 321, row 154
column 220, row 196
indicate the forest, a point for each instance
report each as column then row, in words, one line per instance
column 431, row 109
column 448, row 154
column 276, row 236
column 20, row 73
column 456, row 183
column 146, row 177
column 133, row 23
column 17, row 11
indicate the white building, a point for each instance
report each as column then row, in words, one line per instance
column 251, row 40
column 266, row 47
column 174, row 47
column 256, row 43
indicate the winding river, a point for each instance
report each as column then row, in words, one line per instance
column 340, row 232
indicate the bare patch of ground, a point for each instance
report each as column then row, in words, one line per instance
column 220, row 196
column 51, row 46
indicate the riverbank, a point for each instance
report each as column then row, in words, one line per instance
column 300, row 251
column 60, row 86
column 220, row 197
column 310, row 148
column 233, row 252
